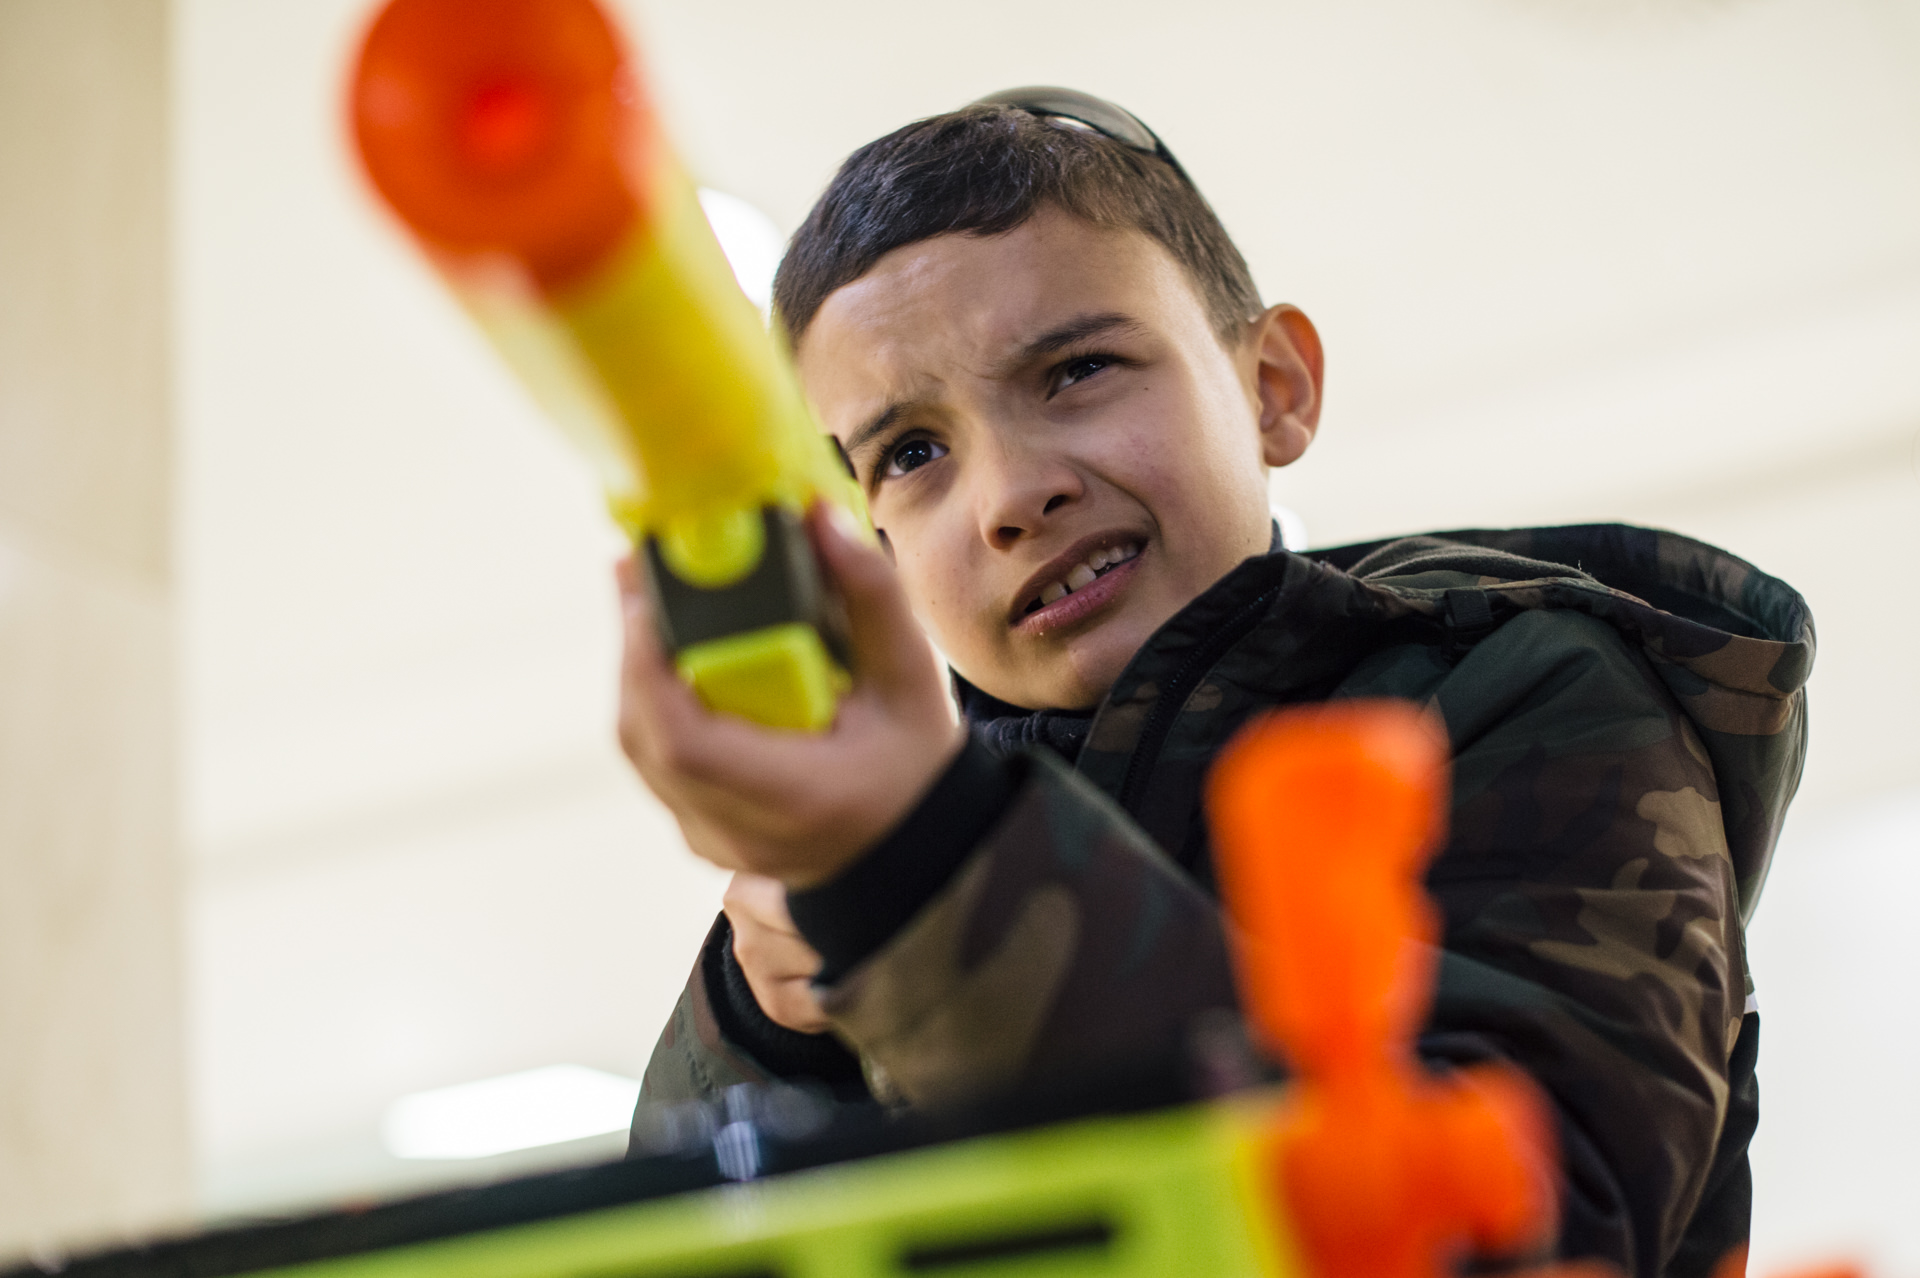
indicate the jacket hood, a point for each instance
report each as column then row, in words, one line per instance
column 1733, row 645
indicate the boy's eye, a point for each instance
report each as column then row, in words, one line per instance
column 910, row 455
column 1078, row 369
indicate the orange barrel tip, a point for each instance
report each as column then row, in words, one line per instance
column 1323, row 818
column 505, row 128
column 1337, row 776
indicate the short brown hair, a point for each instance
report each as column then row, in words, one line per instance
column 984, row 170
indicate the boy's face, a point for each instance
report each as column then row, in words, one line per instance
column 1058, row 447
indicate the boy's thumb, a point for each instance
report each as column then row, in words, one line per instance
column 887, row 642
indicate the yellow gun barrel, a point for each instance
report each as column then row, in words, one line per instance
column 514, row 141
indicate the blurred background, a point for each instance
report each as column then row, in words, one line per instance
column 309, row 803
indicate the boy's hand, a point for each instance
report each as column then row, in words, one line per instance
column 784, row 805
column 777, row 961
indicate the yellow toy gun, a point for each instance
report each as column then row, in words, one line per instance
column 513, row 139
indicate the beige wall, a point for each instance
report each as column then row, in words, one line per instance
column 93, row 1133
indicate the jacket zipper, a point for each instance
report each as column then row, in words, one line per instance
column 1159, row 721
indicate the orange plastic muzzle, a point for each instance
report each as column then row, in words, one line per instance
column 503, row 127
column 1323, row 821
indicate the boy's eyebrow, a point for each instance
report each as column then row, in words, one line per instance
column 1077, row 329
column 875, row 425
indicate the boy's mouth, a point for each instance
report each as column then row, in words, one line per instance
column 1079, row 587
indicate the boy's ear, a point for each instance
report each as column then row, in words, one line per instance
column 1288, row 370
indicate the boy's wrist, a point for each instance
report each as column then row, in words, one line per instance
column 860, row 832
column 742, row 1022
column 854, row 913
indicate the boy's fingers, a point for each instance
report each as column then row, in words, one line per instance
column 759, row 899
column 773, row 956
column 778, row 963
column 642, row 640
column 695, row 759
column 793, row 1005
column 889, row 648
column 657, row 710
column 662, row 719
column 640, row 655
column 762, row 785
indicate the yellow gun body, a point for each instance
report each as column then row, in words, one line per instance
column 664, row 337
column 520, row 154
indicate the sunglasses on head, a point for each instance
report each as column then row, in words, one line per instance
column 1072, row 107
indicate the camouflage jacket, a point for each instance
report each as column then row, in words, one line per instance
column 1628, row 723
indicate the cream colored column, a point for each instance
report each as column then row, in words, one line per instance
column 93, row 1132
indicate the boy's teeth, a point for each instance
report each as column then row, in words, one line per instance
column 1084, row 573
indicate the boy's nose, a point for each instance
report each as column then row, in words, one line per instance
column 1007, row 534
column 1022, row 493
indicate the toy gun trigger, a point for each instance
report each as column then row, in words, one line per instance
column 751, row 624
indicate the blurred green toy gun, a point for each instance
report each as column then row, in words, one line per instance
column 513, row 139
column 1363, row 1165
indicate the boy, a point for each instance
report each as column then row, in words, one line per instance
column 1062, row 396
